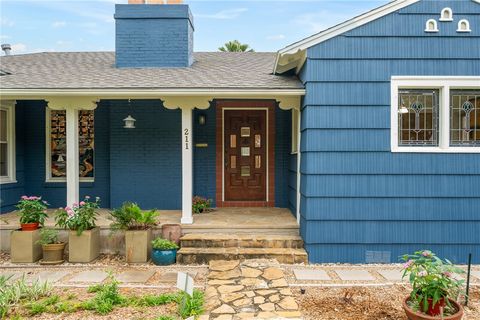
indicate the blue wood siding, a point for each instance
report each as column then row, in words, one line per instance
column 283, row 134
column 357, row 196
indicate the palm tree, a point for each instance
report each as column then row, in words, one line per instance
column 235, row 46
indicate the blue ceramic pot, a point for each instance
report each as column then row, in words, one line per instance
column 164, row 257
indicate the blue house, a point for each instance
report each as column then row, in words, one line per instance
column 369, row 132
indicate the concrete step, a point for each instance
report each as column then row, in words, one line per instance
column 189, row 255
column 210, row 240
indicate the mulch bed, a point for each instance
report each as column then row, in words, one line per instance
column 365, row 303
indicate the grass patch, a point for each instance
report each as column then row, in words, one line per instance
column 36, row 300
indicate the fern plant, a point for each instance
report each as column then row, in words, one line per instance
column 131, row 217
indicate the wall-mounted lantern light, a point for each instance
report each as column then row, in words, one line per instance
column 202, row 119
column 129, row 122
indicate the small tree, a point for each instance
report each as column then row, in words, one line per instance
column 235, row 46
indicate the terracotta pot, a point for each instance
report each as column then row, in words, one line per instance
column 53, row 253
column 29, row 226
column 172, row 232
column 415, row 315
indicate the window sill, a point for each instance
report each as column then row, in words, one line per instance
column 65, row 181
column 6, row 180
column 435, row 150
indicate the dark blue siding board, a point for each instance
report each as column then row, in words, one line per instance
column 204, row 170
column 393, row 48
column 346, row 117
column 292, row 183
column 406, row 232
column 55, row 193
column 145, row 162
column 389, row 163
column 347, row 94
column 374, row 70
column 391, row 209
column 10, row 193
column 411, row 186
column 283, row 134
column 355, row 253
column 346, row 140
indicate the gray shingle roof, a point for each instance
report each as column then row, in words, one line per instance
column 96, row 70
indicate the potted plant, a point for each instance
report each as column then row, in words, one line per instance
column 434, row 287
column 84, row 236
column 33, row 211
column 200, row 205
column 24, row 247
column 138, row 230
column 164, row 252
column 52, row 248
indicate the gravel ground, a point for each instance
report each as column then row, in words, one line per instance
column 361, row 303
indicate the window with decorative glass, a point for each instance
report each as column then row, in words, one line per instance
column 7, row 142
column 56, row 150
column 418, row 117
column 465, row 118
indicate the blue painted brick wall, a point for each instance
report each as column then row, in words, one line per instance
column 153, row 36
column 145, row 162
column 357, row 195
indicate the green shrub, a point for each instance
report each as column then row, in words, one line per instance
column 48, row 236
column 106, row 298
column 163, row 244
column 130, row 217
column 190, row 305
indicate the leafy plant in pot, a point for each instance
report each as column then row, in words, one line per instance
column 84, row 236
column 138, row 226
column 434, row 287
column 33, row 211
column 164, row 252
column 201, row 205
column 52, row 248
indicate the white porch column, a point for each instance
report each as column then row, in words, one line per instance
column 73, row 184
column 187, row 163
column 299, row 159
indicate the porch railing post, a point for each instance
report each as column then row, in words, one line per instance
column 187, row 164
column 73, row 185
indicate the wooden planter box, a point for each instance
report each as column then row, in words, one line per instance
column 24, row 247
column 84, row 248
column 138, row 245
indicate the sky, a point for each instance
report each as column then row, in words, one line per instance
column 76, row 25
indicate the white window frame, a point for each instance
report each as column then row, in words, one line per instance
column 48, row 154
column 295, row 130
column 444, row 85
column 9, row 107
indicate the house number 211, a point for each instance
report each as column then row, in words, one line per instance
column 186, row 138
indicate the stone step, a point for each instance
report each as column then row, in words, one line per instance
column 189, row 255
column 205, row 240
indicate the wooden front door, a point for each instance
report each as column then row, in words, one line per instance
column 245, row 161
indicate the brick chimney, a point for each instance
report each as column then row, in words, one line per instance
column 153, row 33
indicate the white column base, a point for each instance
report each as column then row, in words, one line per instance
column 187, row 166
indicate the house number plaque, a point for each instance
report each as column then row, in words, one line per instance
column 187, row 140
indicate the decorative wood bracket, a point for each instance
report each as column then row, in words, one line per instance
column 79, row 103
column 289, row 102
column 176, row 102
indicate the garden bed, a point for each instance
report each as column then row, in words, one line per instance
column 365, row 303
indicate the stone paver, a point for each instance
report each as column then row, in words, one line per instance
column 89, row 277
column 172, row 276
column 354, row 275
column 476, row 274
column 311, row 275
column 135, row 276
column 255, row 290
column 48, row 276
column 392, row 275
column 12, row 275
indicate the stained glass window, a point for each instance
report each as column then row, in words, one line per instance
column 58, row 149
column 465, row 118
column 418, row 117
column 3, row 143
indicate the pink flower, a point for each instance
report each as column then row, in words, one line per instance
column 422, row 274
column 24, row 197
column 407, row 264
column 87, row 197
column 447, row 274
column 82, row 203
column 426, row 253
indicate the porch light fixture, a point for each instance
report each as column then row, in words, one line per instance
column 129, row 122
column 202, row 119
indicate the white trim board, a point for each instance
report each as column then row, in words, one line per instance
column 295, row 53
column 9, row 107
column 444, row 85
column 223, row 149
